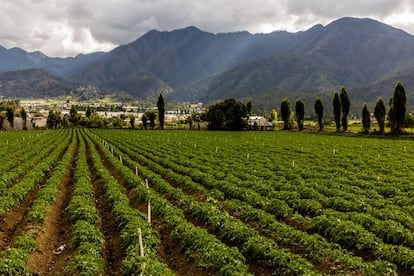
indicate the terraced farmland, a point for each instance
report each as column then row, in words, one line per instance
column 205, row 203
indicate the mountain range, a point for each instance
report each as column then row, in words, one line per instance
column 189, row 64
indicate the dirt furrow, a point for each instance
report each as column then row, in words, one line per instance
column 168, row 250
column 12, row 224
column 113, row 253
column 54, row 233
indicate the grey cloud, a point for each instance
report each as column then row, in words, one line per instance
column 64, row 27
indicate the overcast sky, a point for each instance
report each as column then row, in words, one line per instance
column 68, row 27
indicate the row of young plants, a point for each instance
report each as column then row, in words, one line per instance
column 24, row 150
column 342, row 231
column 11, row 197
column 254, row 246
column 276, row 207
column 209, row 252
column 16, row 167
column 14, row 259
column 305, row 203
column 87, row 239
column 129, row 220
column 307, row 200
column 343, row 197
column 342, row 228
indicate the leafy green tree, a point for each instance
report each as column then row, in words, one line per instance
column 152, row 116
column 23, row 115
column 73, row 113
column 379, row 113
column 366, row 119
column 54, row 119
column 336, row 103
column 227, row 115
column 2, row 118
column 10, row 114
column 249, row 106
column 399, row 108
column 144, row 119
column 285, row 112
column 190, row 121
column 161, row 110
column 132, row 121
column 345, row 106
column 88, row 112
column 300, row 113
column 319, row 112
column 273, row 115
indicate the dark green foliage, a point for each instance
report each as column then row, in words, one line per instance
column 300, row 113
column 379, row 113
column 345, row 105
column 132, row 121
column 23, row 114
column 249, row 106
column 54, row 119
column 88, row 112
column 10, row 114
column 161, row 110
column 73, row 115
column 151, row 115
column 337, row 110
column 227, row 115
column 366, row 119
column 399, row 108
column 285, row 111
column 319, row 112
column 144, row 119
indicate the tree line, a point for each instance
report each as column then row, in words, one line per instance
column 341, row 103
column 233, row 115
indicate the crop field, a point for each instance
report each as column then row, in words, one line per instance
column 125, row 202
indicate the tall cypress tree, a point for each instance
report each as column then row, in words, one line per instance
column 379, row 113
column 399, row 107
column 300, row 113
column 345, row 106
column 336, row 103
column 161, row 110
column 366, row 119
column 285, row 111
column 319, row 112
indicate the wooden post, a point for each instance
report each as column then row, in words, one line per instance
column 149, row 211
column 136, row 171
column 141, row 246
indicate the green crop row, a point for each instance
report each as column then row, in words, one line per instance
column 232, row 230
column 23, row 165
column 210, row 253
column 15, row 194
column 13, row 260
column 129, row 221
column 87, row 239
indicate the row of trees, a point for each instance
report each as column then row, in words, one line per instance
column 341, row 104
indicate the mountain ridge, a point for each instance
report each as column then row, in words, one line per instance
column 190, row 64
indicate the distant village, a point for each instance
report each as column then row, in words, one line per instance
column 37, row 113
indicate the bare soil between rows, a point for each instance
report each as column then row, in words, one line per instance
column 55, row 232
column 168, row 250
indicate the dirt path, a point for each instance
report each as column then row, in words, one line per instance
column 13, row 223
column 55, row 232
column 113, row 251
